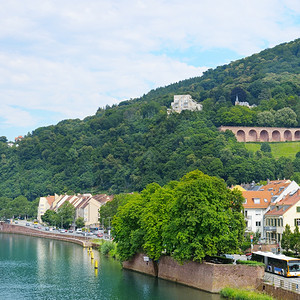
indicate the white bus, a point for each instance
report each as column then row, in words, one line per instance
column 278, row 263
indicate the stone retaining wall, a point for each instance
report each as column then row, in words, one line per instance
column 276, row 292
column 205, row 276
column 16, row 229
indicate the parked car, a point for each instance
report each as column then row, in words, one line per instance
column 100, row 235
column 249, row 256
column 71, row 231
column 78, row 230
column 27, row 224
column 47, row 228
column 63, row 231
column 230, row 256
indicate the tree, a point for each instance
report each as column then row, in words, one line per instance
column 286, row 117
column 295, row 240
column 126, row 227
column 188, row 220
column 205, row 218
column 110, row 208
column 286, row 238
column 79, row 222
column 265, row 118
column 50, row 217
column 3, row 139
column 265, row 147
column 66, row 214
column 155, row 217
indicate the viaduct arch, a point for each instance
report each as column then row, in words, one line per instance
column 263, row 134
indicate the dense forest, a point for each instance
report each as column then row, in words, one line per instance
column 125, row 147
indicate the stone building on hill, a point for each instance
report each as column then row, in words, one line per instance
column 184, row 102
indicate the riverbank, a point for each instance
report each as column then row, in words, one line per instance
column 15, row 229
column 204, row 276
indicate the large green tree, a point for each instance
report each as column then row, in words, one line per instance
column 66, row 214
column 205, row 218
column 188, row 220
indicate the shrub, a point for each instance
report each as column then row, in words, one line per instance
column 250, row 263
column 106, row 247
column 241, row 294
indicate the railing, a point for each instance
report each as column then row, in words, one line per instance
column 270, row 228
column 290, row 284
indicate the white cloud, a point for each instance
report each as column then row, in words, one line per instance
column 71, row 57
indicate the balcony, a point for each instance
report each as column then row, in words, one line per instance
column 270, row 228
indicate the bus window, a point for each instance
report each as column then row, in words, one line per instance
column 294, row 266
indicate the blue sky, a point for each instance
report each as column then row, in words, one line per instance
column 64, row 59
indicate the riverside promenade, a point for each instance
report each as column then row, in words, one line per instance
column 15, row 229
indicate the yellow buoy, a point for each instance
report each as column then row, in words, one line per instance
column 96, row 264
column 92, row 255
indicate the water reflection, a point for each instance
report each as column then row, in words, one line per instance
column 35, row 268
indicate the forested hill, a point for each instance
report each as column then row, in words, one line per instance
column 125, row 147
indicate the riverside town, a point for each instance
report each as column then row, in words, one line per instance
column 191, row 191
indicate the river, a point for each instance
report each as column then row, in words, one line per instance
column 37, row 268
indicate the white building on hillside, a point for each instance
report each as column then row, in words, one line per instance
column 184, row 102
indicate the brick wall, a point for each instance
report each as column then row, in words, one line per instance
column 204, row 276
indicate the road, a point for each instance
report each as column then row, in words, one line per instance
column 42, row 228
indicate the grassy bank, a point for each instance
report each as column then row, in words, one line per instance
column 108, row 248
column 286, row 149
column 240, row 294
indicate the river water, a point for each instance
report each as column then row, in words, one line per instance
column 36, row 268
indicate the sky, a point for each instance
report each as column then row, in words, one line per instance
column 65, row 59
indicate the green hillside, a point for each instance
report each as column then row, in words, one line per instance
column 286, row 149
column 125, row 147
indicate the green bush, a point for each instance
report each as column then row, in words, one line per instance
column 240, row 294
column 250, row 263
column 245, row 245
column 106, row 247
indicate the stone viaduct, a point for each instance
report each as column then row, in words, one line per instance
column 264, row 134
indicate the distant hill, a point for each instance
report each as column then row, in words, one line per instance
column 125, row 147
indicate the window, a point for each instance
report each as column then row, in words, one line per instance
column 246, row 213
column 297, row 222
column 298, row 208
column 256, row 200
column 257, row 212
column 257, row 224
column 245, row 201
column 266, row 200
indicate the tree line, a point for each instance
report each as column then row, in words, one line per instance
column 125, row 147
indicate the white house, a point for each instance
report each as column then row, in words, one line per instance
column 255, row 206
column 282, row 213
column 184, row 102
